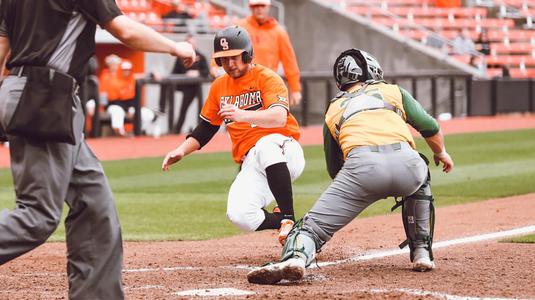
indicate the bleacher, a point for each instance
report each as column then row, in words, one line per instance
column 509, row 24
column 197, row 16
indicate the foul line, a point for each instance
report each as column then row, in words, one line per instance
column 374, row 254
column 423, row 293
column 438, row 245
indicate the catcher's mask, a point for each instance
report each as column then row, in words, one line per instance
column 355, row 65
column 232, row 41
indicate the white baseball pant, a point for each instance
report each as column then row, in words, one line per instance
column 250, row 192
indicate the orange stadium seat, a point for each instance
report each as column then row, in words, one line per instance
column 389, row 3
column 510, row 45
column 442, row 23
column 513, row 60
column 512, row 48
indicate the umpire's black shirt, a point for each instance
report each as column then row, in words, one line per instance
column 55, row 33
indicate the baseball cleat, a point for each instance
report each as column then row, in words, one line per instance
column 422, row 262
column 291, row 269
column 284, row 230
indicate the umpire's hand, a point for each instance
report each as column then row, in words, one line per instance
column 185, row 51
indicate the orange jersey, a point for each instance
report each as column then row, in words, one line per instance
column 258, row 89
column 110, row 84
column 271, row 46
column 128, row 87
column 117, row 86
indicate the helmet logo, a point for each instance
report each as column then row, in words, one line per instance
column 224, row 44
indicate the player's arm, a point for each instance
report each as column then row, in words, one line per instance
column 334, row 157
column 200, row 136
column 4, row 44
column 273, row 117
column 4, row 50
column 428, row 127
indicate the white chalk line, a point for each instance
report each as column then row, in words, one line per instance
column 373, row 254
column 216, row 292
column 423, row 293
column 437, row 245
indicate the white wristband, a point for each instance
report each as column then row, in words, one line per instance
column 441, row 154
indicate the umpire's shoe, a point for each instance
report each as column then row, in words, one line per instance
column 291, row 269
column 422, row 262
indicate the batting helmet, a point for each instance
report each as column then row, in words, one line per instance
column 232, row 41
column 354, row 66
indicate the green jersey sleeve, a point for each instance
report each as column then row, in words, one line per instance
column 417, row 117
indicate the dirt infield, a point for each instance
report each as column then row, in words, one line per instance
column 360, row 262
column 160, row 270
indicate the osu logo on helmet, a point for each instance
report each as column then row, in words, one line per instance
column 224, row 44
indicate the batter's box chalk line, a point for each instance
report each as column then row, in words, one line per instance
column 217, row 292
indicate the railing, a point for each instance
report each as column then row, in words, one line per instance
column 432, row 76
column 169, row 84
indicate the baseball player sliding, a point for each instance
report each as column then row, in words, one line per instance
column 252, row 101
column 370, row 155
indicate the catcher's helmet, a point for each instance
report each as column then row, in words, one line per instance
column 232, row 41
column 355, row 65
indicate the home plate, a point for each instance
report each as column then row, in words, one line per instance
column 215, row 292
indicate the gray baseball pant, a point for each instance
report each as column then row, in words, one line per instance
column 47, row 174
column 370, row 173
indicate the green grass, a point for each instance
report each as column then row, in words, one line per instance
column 188, row 203
column 528, row 239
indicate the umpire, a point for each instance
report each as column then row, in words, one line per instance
column 58, row 36
column 370, row 155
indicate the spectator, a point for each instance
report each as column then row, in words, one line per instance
column 189, row 91
column 483, row 43
column 434, row 40
column 178, row 19
column 479, row 62
column 506, row 72
column 463, row 44
column 180, row 11
column 272, row 45
column 119, row 86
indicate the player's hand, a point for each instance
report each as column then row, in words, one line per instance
column 185, row 51
column 445, row 158
column 231, row 112
column 172, row 157
column 295, row 98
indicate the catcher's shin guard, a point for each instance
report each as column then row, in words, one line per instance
column 418, row 213
column 302, row 243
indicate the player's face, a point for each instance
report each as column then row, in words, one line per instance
column 234, row 66
column 260, row 12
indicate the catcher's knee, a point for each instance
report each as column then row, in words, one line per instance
column 418, row 215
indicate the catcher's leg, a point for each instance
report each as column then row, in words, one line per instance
column 336, row 207
column 299, row 251
column 418, row 220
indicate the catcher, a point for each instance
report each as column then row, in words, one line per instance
column 252, row 101
column 370, row 155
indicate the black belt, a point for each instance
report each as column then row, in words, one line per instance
column 19, row 71
column 23, row 71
